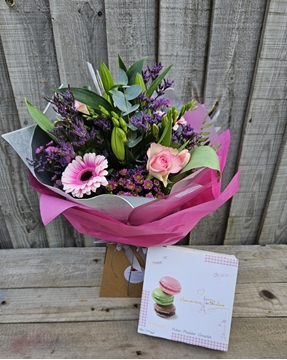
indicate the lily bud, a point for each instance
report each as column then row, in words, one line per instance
column 123, row 124
column 121, row 134
column 139, row 81
column 164, row 120
column 155, row 131
column 115, row 115
column 117, row 143
column 103, row 110
column 115, row 121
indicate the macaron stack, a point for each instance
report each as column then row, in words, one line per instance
column 164, row 296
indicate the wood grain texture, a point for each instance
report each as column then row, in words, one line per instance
column 28, row 43
column 19, row 214
column 183, row 41
column 56, row 315
column 30, row 55
column 71, row 304
column 132, row 31
column 61, row 267
column 7, row 113
column 274, row 226
column 264, row 127
column 250, row 338
column 79, row 30
column 58, row 267
column 233, row 46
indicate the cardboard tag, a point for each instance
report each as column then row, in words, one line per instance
column 120, row 278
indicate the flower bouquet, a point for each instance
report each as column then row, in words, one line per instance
column 124, row 164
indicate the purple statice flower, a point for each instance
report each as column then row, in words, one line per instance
column 165, row 84
column 64, row 104
column 104, row 124
column 39, row 149
column 151, row 73
column 144, row 121
column 184, row 133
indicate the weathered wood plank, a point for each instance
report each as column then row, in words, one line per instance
column 274, row 226
column 61, row 267
column 29, row 49
column 84, row 41
column 269, row 95
column 84, row 304
column 19, row 214
column 183, row 38
column 132, row 31
column 250, row 338
column 56, row 267
column 8, row 112
column 80, row 35
column 233, row 45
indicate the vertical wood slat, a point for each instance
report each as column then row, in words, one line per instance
column 183, row 33
column 132, row 30
column 265, row 123
column 274, row 224
column 29, row 49
column 8, row 115
column 80, row 35
column 233, row 45
column 183, row 40
column 28, row 68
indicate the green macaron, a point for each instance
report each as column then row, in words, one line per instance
column 161, row 298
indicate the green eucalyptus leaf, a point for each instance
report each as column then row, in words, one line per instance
column 121, row 103
column 157, row 81
column 133, row 142
column 117, row 93
column 134, row 69
column 202, row 156
column 133, row 92
column 122, row 77
column 41, row 119
column 131, row 109
column 132, row 127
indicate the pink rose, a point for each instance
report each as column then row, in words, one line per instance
column 163, row 161
column 81, row 107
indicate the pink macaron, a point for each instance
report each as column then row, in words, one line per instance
column 170, row 285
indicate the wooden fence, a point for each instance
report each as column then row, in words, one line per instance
column 233, row 52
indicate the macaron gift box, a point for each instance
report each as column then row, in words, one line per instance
column 188, row 296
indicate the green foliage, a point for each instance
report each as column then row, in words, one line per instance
column 41, row 119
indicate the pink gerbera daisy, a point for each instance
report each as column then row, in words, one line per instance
column 85, row 175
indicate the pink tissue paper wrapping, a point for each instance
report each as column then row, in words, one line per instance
column 202, row 195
